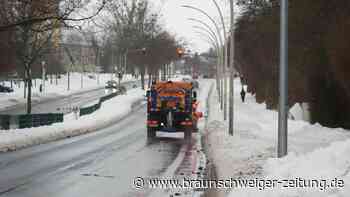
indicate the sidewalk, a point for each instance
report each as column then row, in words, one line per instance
column 315, row 152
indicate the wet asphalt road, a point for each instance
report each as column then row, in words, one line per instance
column 62, row 104
column 103, row 163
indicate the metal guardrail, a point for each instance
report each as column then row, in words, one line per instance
column 37, row 120
column 29, row 120
column 107, row 97
column 91, row 109
column 5, row 122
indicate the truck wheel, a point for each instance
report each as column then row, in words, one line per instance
column 188, row 134
column 151, row 133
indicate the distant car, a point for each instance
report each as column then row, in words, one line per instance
column 111, row 84
column 5, row 89
column 134, row 86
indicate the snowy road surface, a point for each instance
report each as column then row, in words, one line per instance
column 61, row 104
column 98, row 164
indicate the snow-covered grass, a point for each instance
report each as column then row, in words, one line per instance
column 110, row 111
column 315, row 152
column 53, row 90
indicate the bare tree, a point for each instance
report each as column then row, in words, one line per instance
column 36, row 25
column 67, row 12
column 135, row 26
column 93, row 41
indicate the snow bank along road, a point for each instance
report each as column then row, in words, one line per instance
column 60, row 104
column 317, row 165
column 103, row 163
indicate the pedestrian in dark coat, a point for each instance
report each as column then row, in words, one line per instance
column 243, row 95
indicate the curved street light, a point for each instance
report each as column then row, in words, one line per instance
column 220, row 86
column 213, row 39
column 223, row 86
column 208, row 27
column 209, row 17
column 221, row 18
column 213, row 36
column 226, row 57
column 209, row 40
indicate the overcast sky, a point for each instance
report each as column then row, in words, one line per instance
column 176, row 17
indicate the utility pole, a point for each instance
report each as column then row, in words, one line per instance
column 232, row 69
column 283, row 83
column 225, row 79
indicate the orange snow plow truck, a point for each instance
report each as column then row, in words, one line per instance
column 172, row 107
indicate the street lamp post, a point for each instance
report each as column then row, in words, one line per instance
column 283, row 83
column 212, row 32
column 215, row 45
column 225, row 58
column 210, row 40
column 220, row 86
column 232, row 69
column 218, row 45
column 215, row 42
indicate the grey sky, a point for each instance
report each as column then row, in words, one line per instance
column 175, row 18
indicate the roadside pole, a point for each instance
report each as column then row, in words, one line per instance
column 221, row 80
column 283, row 83
column 225, row 79
column 232, row 69
column 225, row 61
